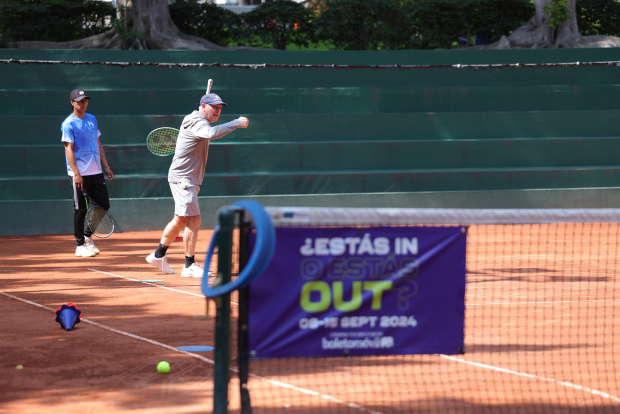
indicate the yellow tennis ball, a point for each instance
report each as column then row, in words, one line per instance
column 163, row 367
column 19, row 367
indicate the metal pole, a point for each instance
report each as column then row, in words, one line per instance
column 243, row 339
column 222, row 315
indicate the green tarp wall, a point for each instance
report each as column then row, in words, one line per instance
column 444, row 137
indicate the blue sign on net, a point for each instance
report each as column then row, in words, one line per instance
column 374, row 291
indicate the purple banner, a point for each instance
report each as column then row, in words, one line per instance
column 373, row 291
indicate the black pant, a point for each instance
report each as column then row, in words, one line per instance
column 97, row 190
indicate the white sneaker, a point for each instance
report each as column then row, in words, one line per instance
column 90, row 244
column 193, row 271
column 161, row 263
column 83, row 251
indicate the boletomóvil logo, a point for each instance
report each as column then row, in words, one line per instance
column 384, row 342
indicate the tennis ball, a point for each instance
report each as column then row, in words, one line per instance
column 19, row 367
column 163, row 367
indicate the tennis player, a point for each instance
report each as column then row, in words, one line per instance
column 185, row 177
column 84, row 155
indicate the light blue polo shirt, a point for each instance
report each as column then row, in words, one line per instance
column 84, row 135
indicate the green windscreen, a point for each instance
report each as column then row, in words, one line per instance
column 322, row 129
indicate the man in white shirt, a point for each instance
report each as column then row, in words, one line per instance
column 185, row 177
column 84, row 155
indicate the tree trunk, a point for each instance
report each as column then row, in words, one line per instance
column 147, row 26
column 536, row 33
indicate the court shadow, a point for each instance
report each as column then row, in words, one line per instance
column 532, row 274
column 471, row 349
column 428, row 400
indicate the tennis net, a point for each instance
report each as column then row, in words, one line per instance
column 540, row 323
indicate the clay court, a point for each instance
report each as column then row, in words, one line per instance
column 541, row 334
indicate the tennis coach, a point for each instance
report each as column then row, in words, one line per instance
column 185, row 177
column 84, row 155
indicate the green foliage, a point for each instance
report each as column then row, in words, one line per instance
column 434, row 23
column 558, row 12
column 438, row 23
column 53, row 20
column 206, row 20
column 361, row 24
column 279, row 23
column 398, row 24
column 598, row 17
column 335, row 24
column 496, row 18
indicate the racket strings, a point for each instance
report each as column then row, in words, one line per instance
column 162, row 141
column 99, row 221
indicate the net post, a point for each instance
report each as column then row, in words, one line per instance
column 243, row 338
column 222, row 315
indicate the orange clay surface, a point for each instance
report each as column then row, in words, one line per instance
column 91, row 369
column 542, row 334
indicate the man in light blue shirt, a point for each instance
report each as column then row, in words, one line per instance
column 84, row 155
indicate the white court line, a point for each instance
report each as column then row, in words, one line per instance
column 147, row 283
column 200, row 357
column 153, row 284
column 523, row 374
column 324, row 396
column 538, row 303
column 150, row 341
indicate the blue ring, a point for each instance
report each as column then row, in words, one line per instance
column 261, row 256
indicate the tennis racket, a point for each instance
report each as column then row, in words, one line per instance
column 98, row 220
column 209, row 84
column 162, row 141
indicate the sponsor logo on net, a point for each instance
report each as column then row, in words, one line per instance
column 366, row 343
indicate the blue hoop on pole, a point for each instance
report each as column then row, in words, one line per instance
column 261, row 256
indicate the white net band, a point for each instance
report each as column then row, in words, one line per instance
column 311, row 216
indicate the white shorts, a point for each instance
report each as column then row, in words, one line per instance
column 185, row 199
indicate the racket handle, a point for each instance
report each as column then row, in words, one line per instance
column 209, row 84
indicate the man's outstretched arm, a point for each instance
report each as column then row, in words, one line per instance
column 216, row 132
